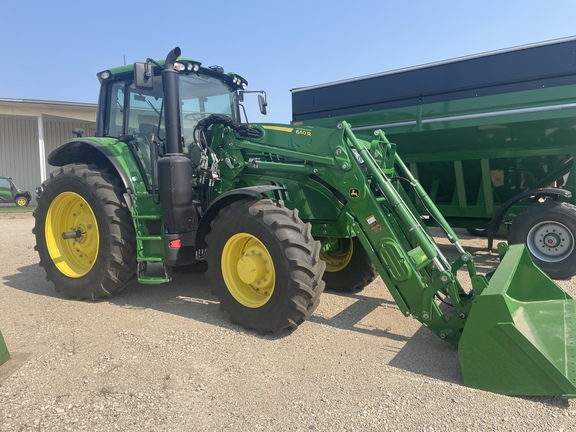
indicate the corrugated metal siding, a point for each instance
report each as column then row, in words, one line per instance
column 58, row 131
column 19, row 154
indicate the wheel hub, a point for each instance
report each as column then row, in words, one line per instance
column 248, row 270
column 550, row 241
column 251, row 269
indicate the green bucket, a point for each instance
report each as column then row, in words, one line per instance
column 520, row 335
column 4, row 355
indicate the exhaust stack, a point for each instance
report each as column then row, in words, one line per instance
column 174, row 169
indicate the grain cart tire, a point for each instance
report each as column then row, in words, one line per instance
column 478, row 232
column 549, row 232
column 348, row 266
column 98, row 258
column 264, row 265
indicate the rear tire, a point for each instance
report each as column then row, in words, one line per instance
column 549, row 232
column 264, row 265
column 84, row 200
column 348, row 267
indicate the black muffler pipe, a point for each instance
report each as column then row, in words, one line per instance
column 175, row 180
column 170, row 85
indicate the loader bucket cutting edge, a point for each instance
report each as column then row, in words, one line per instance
column 520, row 335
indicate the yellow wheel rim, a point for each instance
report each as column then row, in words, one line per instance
column 337, row 260
column 248, row 270
column 21, row 202
column 70, row 213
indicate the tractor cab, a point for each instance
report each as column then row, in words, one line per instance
column 133, row 106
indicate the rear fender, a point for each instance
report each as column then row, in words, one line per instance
column 224, row 200
column 106, row 153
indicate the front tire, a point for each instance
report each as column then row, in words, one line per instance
column 549, row 232
column 348, row 266
column 98, row 258
column 264, row 265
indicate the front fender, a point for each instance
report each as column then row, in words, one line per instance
column 224, row 200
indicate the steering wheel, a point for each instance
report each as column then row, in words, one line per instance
column 194, row 115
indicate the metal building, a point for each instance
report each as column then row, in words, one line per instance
column 31, row 129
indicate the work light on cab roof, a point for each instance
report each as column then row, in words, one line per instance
column 238, row 81
column 190, row 66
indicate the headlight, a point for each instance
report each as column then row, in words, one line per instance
column 105, row 75
column 179, row 66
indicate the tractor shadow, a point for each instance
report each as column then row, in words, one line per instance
column 187, row 295
column 427, row 355
column 421, row 352
column 30, row 279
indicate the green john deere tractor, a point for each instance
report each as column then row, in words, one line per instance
column 279, row 212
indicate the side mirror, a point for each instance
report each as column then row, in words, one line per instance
column 143, row 76
column 262, row 104
column 78, row 132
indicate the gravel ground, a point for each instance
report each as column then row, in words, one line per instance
column 164, row 358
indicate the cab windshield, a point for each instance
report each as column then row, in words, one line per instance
column 135, row 111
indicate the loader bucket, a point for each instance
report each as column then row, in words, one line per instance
column 520, row 335
column 4, row 355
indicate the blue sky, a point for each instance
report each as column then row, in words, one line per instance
column 52, row 50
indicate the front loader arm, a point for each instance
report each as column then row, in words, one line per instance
column 405, row 255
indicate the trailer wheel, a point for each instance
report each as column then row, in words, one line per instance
column 549, row 232
column 84, row 233
column 348, row 267
column 264, row 265
column 478, row 232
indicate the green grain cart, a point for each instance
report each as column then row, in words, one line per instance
column 490, row 137
column 279, row 212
